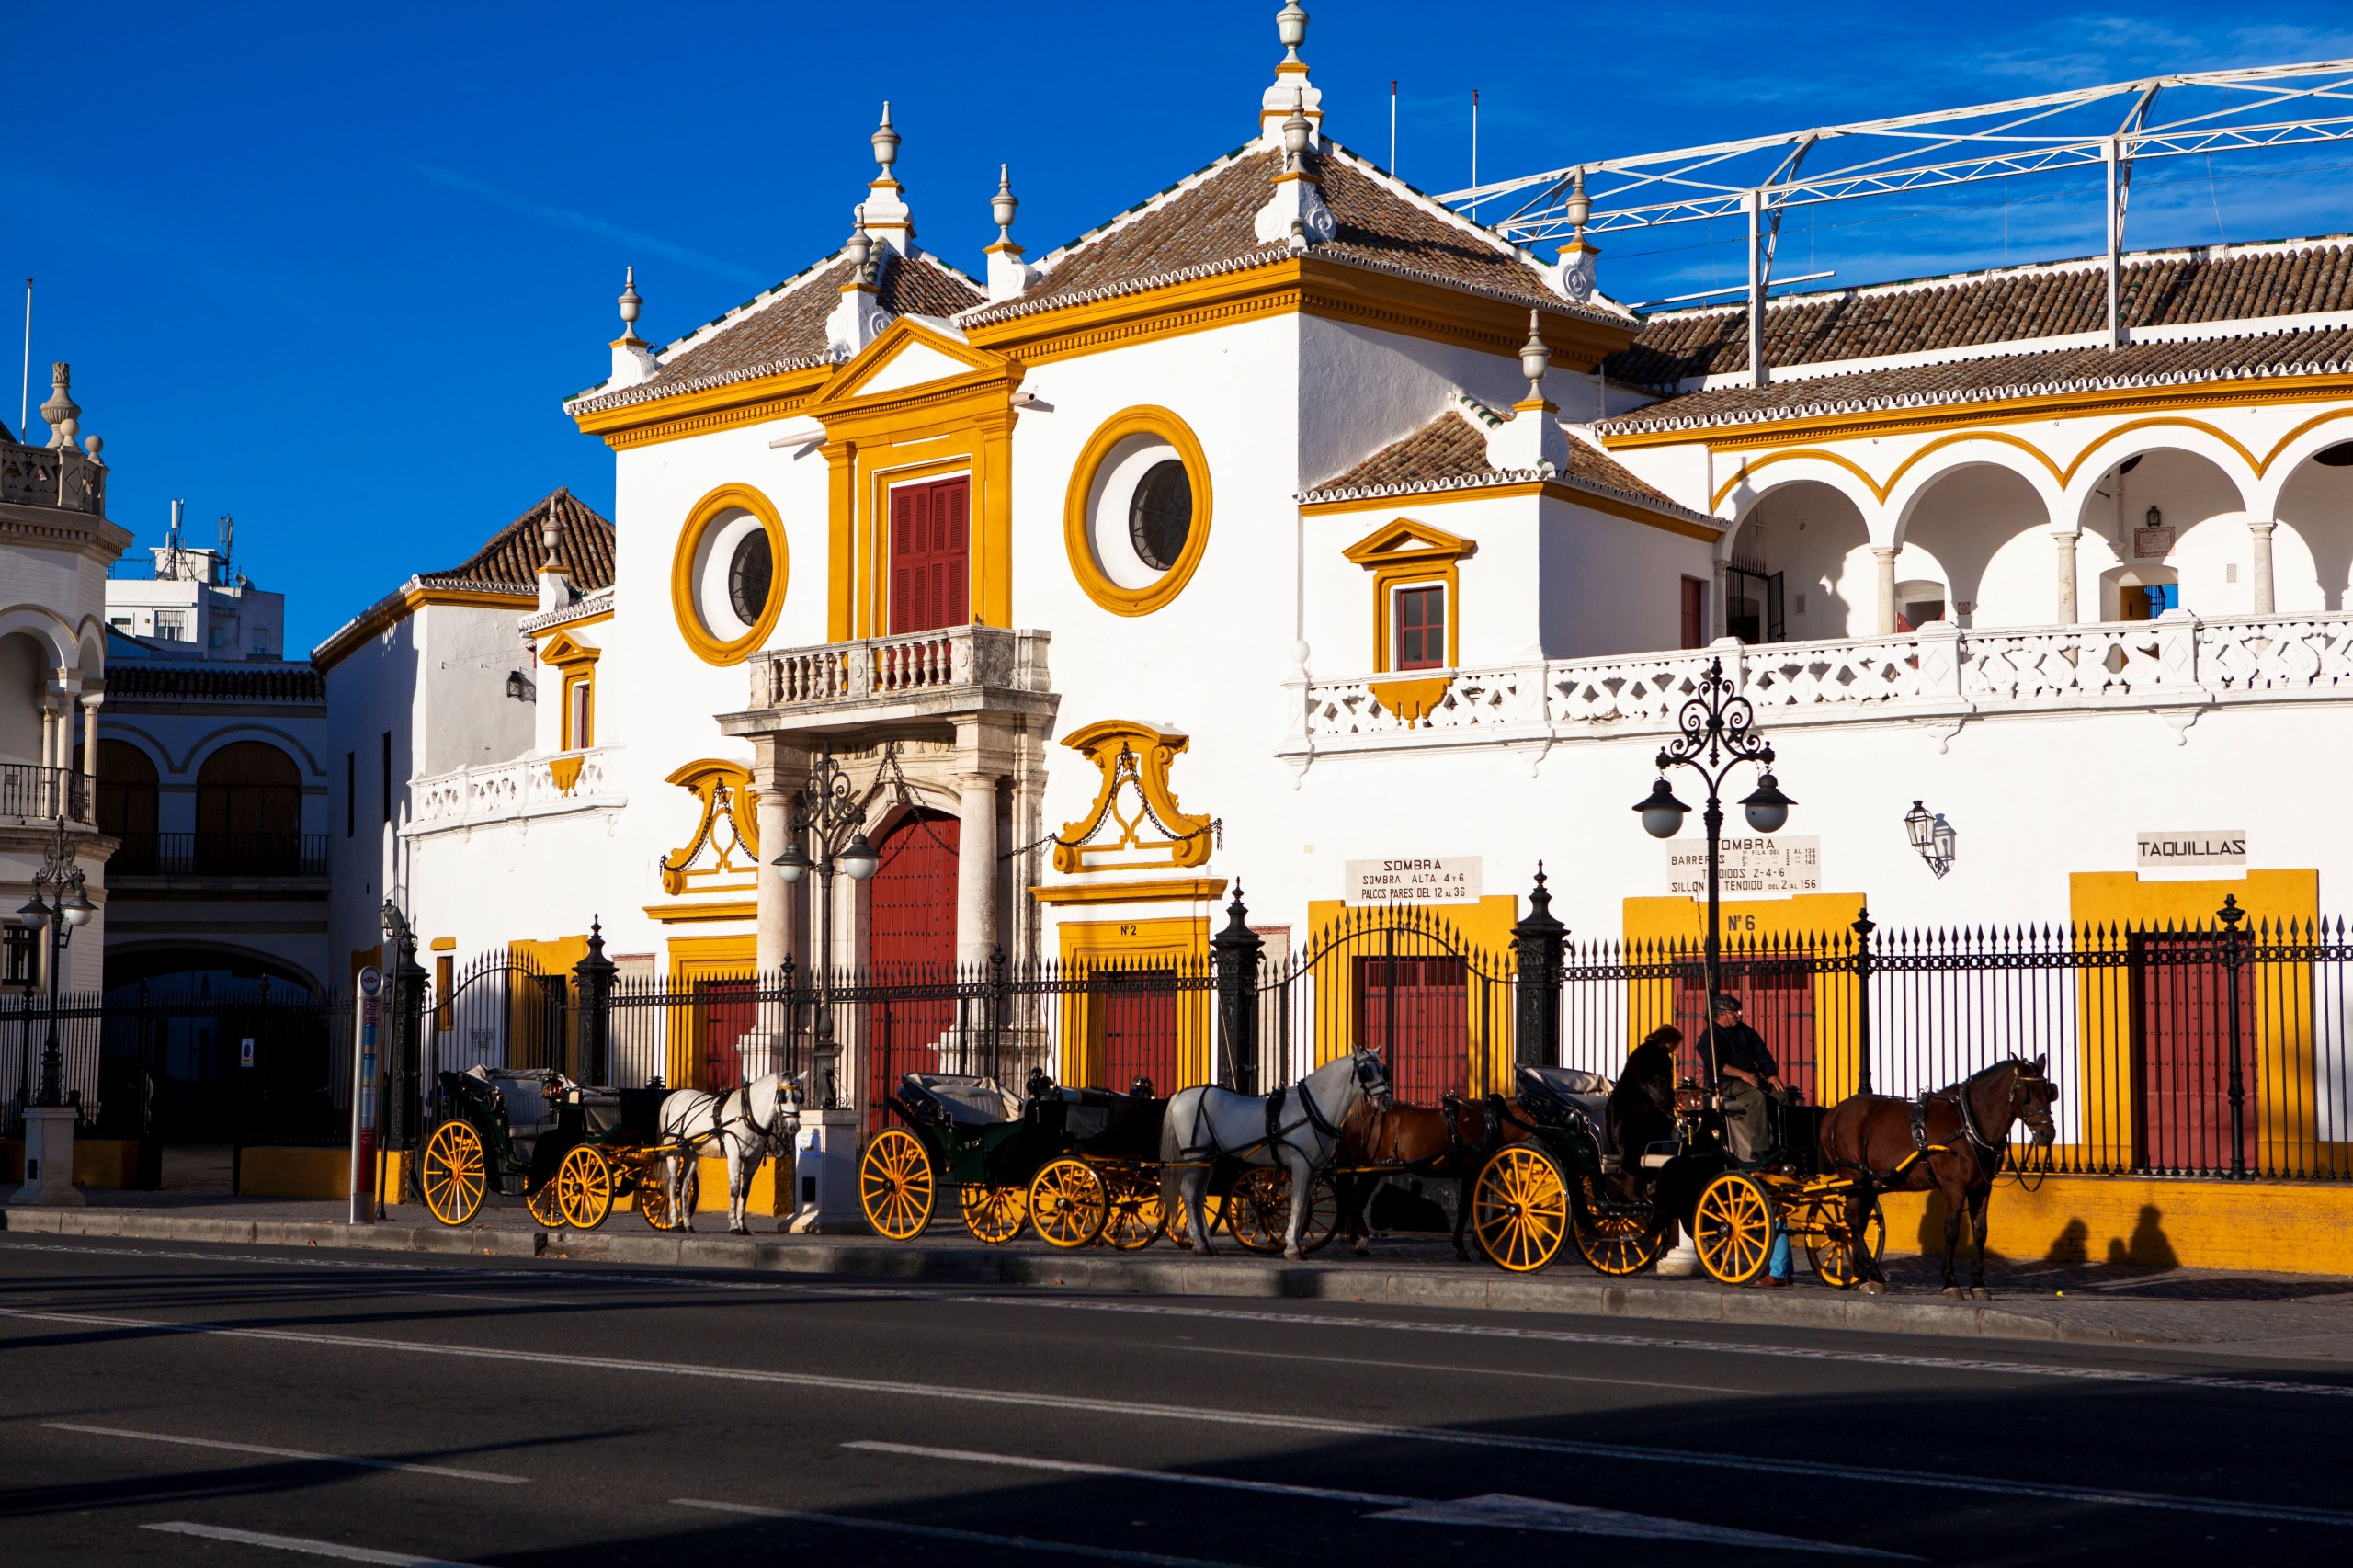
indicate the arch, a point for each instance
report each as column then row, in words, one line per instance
column 2139, row 438
column 60, row 642
column 248, row 811
column 1926, row 469
column 1804, row 546
column 2288, row 454
column 2311, row 548
column 203, row 749
column 1816, row 464
column 158, row 958
column 1979, row 531
column 128, row 792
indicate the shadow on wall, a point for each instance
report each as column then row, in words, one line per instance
column 2148, row 1246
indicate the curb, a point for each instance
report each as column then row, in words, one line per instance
column 1487, row 1289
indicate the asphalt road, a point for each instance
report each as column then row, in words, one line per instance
column 217, row 1405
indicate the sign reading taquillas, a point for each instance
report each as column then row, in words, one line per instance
column 1445, row 878
column 2205, row 847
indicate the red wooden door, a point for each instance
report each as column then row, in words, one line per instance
column 1417, row 1012
column 911, row 943
column 724, row 1012
column 1776, row 1000
column 2181, row 1053
column 932, row 555
column 1137, row 1013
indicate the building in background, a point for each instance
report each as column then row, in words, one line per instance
column 189, row 602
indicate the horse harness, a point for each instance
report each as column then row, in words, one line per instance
column 1277, row 1131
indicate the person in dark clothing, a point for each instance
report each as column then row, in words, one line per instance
column 1745, row 1072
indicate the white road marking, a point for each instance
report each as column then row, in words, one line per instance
column 443, row 1470
column 310, row 1547
column 1514, row 1513
column 1515, row 1373
column 942, row 1532
column 1257, row 1420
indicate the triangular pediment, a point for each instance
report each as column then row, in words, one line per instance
column 1403, row 538
column 561, row 649
column 908, row 353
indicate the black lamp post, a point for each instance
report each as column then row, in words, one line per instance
column 17, row 969
column 58, row 903
column 826, row 811
column 1719, row 734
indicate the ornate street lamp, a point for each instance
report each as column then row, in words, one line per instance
column 59, row 905
column 826, row 811
column 1719, row 734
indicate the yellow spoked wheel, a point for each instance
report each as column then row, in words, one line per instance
column 453, row 1175
column 1733, row 1228
column 653, row 1194
column 1068, row 1203
column 1519, row 1209
column 1258, row 1211
column 994, row 1214
column 583, row 1187
column 1831, row 1253
column 543, row 1206
column 1616, row 1240
column 1135, row 1219
column 895, row 1184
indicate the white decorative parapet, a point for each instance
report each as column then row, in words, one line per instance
column 888, row 668
column 2176, row 666
column 509, row 791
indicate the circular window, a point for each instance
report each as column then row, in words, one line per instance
column 1137, row 517
column 747, row 577
column 727, row 580
column 1161, row 514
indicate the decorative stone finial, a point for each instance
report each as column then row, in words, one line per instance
column 888, row 221
column 886, row 141
column 631, row 303
column 860, row 247
column 1008, row 275
column 63, row 414
column 1295, row 215
column 92, row 444
column 858, row 320
column 1534, row 357
column 550, row 539
column 1003, row 204
column 1290, row 26
column 1578, row 207
column 1292, row 90
column 1574, row 272
column 1297, row 132
column 633, row 362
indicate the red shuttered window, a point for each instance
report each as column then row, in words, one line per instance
column 932, row 555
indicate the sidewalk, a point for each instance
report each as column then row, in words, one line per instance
column 2298, row 1316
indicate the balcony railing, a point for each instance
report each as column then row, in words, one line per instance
column 2175, row 665
column 220, row 855
column 505, row 791
column 48, row 476
column 28, row 790
column 897, row 669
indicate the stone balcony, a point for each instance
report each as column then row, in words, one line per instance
column 918, row 681
column 52, row 477
column 1941, row 677
column 557, row 784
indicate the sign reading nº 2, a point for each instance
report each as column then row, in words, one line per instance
column 1447, row 879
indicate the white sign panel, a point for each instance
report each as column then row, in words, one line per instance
column 1449, row 878
column 1752, row 867
column 2203, row 846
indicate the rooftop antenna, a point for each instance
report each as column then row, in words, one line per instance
column 24, row 395
column 228, row 536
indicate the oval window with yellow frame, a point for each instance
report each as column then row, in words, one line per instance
column 727, row 577
column 1137, row 517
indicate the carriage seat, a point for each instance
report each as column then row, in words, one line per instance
column 1560, row 1089
column 968, row 1102
column 524, row 1092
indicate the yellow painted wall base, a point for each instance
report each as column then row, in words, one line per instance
column 293, row 1173
column 97, row 1162
column 710, row 1183
column 2278, row 1226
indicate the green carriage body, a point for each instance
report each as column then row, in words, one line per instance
column 525, row 1122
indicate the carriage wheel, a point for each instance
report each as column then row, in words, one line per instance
column 1615, row 1241
column 653, row 1194
column 1733, row 1228
column 895, row 1184
column 1832, row 1253
column 1180, row 1230
column 543, row 1206
column 453, row 1176
column 1519, row 1209
column 583, row 1187
column 1135, row 1219
column 994, row 1214
column 1258, row 1211
column 1068, row 1203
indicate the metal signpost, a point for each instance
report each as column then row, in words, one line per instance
column 363, row 1100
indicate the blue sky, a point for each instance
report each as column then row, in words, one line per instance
column 330, row 269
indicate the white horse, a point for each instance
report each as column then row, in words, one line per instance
column 1298, row 1129
column 759, row 1120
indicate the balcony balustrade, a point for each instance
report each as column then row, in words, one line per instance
column 918, row 675
column 36, row 793
column 49, row 476
column 550, row 785
column 237, row 854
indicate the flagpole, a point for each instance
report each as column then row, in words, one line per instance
column 25, row 393
column 1393, row 127
column 1474, row 151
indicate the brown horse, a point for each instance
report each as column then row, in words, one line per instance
column 1951, row 1141
column 1449, row 1143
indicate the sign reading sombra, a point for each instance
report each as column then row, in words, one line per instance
column 1754, row 865
column 2203, row 846
column 1407, row 878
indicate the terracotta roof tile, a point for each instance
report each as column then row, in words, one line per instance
column 1450, row 453
column 2175, row 288
column 784, row 329
column 2309, row 351
column 511, row 558
column 131, row 680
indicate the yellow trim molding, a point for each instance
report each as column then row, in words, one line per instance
column 390, row 611
column 709, row 647
column 1111, row 944
column 1078, row 541
column 693, row 914
column 1134, row 758
column 729, row 827
column 682, row 414
column 1410, row 700
column 1160, row 890
column 1406, row 553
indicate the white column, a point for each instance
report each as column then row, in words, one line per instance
column 2063, row 557
column 1717, row 610
column 976, row 868
column 2260, row 536
column 1885, row 555
column 777, row 774
column 52, row 707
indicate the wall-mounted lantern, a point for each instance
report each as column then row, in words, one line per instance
column 1931, row 836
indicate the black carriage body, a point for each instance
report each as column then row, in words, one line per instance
column 978, row 1133
column 529, row 1120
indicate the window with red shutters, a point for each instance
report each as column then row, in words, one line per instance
column 932, row 555
column 1695, row 612
column 1420, row 616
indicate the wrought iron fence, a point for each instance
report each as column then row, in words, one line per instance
column 221, row 854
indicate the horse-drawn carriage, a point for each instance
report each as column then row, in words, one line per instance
column 1078, row 1166
column 567, row 1150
